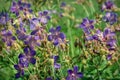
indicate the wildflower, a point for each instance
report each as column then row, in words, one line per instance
column 56, row 65
column 109, row 36
column 34, row 23
column 16, row 7
column 26, row 8
column 32, row 41
column 44, row 17
column 74, row 74
column 56, row 36
column 98, row 35
column 3, row 18
column 7, row 37
column 27, row 57
column 40, row 33
column 109, row 56
column 49, row 78
column 108, row 5
column 87, row 25
column 20, row 69
column 63, row 4
column 21, row 33
column 20, row 6
column 110, row 17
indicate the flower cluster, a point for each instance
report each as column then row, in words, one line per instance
column 20, row 6
column 7, row 37
column 24, row 61
column 87, row 26
column 56, row 65
column 41, row 20
column 4, row 18
column 108, row 5
column 74, row 74
column 56, row 37
column 110, row 17
column 38, row 42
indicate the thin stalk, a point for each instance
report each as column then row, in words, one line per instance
column 70, row 36
column 92, row 6
column 8, row 57
column 86, row 10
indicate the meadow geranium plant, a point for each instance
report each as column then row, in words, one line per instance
column 39, row 40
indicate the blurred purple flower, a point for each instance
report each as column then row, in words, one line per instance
column 44, row 17
column 21, row 33
column 16, row 7
column 63, row 4
column 109, row 36
column 26, row 8
column 32, row 41
column 109, row 56
column 87, row 25
column 110, row 17
column 40, row 33
column 56, row 36
column 20, row 6
column 34, row 23
column 3, row 18
column 49, row 78
column 108, row 5
column 27, row 57
column 56, row 65
column 74, row 74
column 7, row 37
column 20, row 69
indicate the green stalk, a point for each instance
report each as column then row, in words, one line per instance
column 86, row 10
column 70, row 36
column 92, row 6
column 8, row 57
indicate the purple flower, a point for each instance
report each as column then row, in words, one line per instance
column 109, row 37
column 110, row 17
column 34, row 23
column 16, row 6
column 108, row 5
column 44, row 17
column 56, row 36
column 20, row 6
column 3, row 18
column 27, row 57
column 109, row 56
column 98, row 36
column 40, row 33
column 63, row 4
column 74, row 74
column 49, row 78
column 20, row 69
column 87, row 25
column 26, row 8
column 7, row 37
column 56, row 65
column 21, row 33
column 32, row 41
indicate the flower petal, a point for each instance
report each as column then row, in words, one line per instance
column 75, row 69
column 80, row 74
column 33, row 60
